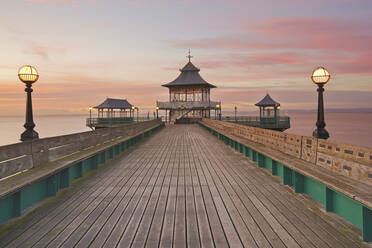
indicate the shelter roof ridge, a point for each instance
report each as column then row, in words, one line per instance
column 267, row 101
column 114, row 103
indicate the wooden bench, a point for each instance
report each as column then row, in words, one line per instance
column 340, row 194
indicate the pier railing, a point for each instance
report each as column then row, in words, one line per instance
column 337, row 175
column 280, row 122
column 115, row 121
column 51, row 164
column 188, row 105
column 22, row 156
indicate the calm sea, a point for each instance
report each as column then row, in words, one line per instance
column 350, row 128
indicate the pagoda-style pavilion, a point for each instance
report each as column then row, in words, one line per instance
column 112, row 112
column 268, row 107
column 112, row 108
column 189, row 97
column 269, row 115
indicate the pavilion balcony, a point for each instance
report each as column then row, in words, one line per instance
column 103, row 122
column 274, row 123
column 188, row 105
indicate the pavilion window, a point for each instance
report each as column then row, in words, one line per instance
column 197, row 94
column 190, row 95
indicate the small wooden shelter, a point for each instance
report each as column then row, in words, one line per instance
column 268, row 107
column 112, row 108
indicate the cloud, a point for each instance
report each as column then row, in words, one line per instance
column 45, row 51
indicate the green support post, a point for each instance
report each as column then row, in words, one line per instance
column 367, row 224
column 299, row 181
column 274, row 167
column 80, row 166
column 102, row 156
column 65, row 178
column 51, row 184
column 287, row 176
column 17, row 204
column 94, row 162
column 254, row 156
column 261, row 160
column 329, row 200
column 111, row 151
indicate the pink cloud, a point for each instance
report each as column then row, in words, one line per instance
column 343, row 45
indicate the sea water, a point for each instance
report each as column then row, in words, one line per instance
column 350, row 128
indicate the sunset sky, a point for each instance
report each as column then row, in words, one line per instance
column 87, row 50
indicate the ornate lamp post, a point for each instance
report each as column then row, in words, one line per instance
column 218, row 115
column 28, row 75
column 320, row 77
column 90, row 115
column 137, row 113
column 157, row 112
column 132, row 112
column 235, row 111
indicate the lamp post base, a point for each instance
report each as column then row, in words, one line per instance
column 321, row 134
column 29, row 135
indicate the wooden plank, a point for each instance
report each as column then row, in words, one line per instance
column 144, row 236
column 219, row 237
column 119, row 204
column 228, row 196
column 111, row 233
column 147, row 202
column 166, row 237
column 179, row 239
column 206, row 238
column 100, row 214
column 56, row 224
column 290, row 236
column 180, row 188
column 192, row 229
column 319, row 243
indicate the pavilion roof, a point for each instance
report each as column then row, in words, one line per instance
column 267, row 101
column 189, row 76
column 111, row 103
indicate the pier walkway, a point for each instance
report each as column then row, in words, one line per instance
column 181, row 187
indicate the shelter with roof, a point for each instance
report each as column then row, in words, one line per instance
column 269, row 115
column 189, row 96
column 112, row 108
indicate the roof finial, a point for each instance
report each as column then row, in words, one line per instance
column 189, row 56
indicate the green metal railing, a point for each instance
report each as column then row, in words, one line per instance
column 280, row 122
column 91, row 122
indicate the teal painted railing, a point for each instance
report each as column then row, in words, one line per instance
column 279, row 122
column 333, row 201
column 13, row 205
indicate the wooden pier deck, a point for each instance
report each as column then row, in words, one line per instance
column 183, row 188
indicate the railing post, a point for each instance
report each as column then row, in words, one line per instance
column 328, row 199
column 17, row 209
column 261, row 160
column 274, row 167
column 51, row 184
column 299, row 182
column 65, row 178
column 287, row 176
column 254, row 156
column 367, row 224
